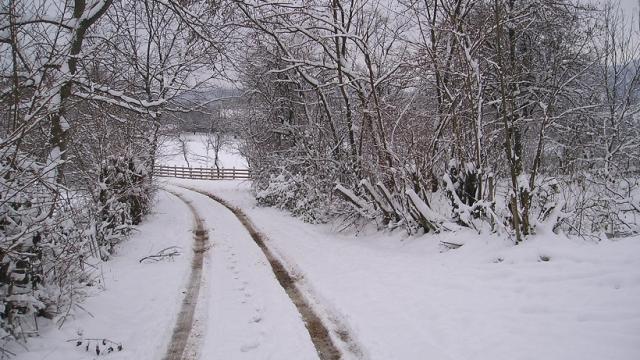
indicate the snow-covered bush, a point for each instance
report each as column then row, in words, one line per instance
column 591, row 205
column 294, row 193
column 49, row 234
column 408, row 204
column 123, row 198
column 42, row 246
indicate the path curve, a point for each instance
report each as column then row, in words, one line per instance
column 318, row 332
column 185, row 320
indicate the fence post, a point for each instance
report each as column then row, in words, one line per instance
column 233, row 173
column 175, row 171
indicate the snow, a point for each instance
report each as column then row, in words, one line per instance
column 135, row 304
column 249, row 314
column 242, row 311
column 198, row 155
column 399, row 297
column 407, row 298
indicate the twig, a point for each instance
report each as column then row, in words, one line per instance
column 450, row 245
column 166, row 253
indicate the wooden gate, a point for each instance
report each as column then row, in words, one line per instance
column 200, row 173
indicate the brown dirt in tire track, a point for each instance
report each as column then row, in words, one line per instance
column 319, row 333
column 184, row 322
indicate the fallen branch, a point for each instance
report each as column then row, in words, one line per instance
column 166, row 253
column 6, row 353
column 450, row 245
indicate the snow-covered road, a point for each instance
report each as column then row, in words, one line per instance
column 248, row 314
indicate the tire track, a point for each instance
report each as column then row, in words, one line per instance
column 320, row 335
column 184, row 323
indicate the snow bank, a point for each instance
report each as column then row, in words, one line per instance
column 133, row 304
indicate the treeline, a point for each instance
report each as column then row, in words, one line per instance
column 500, row 115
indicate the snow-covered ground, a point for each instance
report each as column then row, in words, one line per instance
column 248, row 314
column 406, row 298
column 134, row 304
column 397, row 297
column 242, row 311
column 199, row 152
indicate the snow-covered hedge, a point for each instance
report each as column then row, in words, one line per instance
column 43, row 247
column 123, row 198
column 51, row 237
column 294, row 193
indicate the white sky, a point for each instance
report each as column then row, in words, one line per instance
column 630, row 10
column 630, row 7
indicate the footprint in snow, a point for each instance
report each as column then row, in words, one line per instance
column 255, row 319
column 249, row 346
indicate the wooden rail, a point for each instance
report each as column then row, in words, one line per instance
column 200, row 173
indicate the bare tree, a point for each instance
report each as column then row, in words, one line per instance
column 82, row 85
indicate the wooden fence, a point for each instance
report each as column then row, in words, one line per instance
column 201, row 173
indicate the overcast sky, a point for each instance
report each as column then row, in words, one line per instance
column 630, row 6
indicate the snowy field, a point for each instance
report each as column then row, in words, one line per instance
column 407, row 298
column 199, row 152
